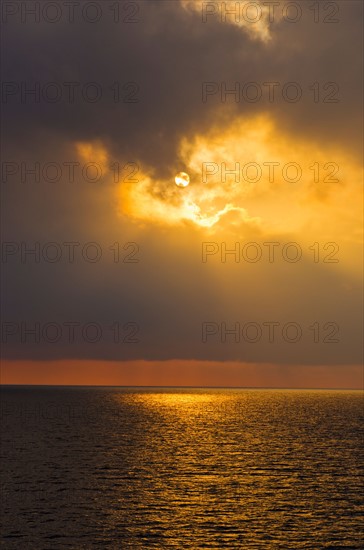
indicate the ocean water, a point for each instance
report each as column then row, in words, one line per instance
column 181, row 468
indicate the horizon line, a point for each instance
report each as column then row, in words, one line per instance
column 178, row 387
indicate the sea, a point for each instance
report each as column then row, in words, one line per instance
column 184, row 468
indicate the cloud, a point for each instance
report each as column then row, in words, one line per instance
column 251, row 17
column 183, row 53
column 169, row 54
column 274, row 181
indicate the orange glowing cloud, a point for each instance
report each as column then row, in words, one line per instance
column 247, row 171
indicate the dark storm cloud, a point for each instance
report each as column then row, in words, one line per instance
column 169, row 53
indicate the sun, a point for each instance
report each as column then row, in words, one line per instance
column 182, row 179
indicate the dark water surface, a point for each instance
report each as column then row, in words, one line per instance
column 180, row 468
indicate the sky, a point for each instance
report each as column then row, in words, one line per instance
column 250, row 275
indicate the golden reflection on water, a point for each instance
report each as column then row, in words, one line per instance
column 182, row 401
column 182, row 405
column 257, row 469
column 189, row 469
